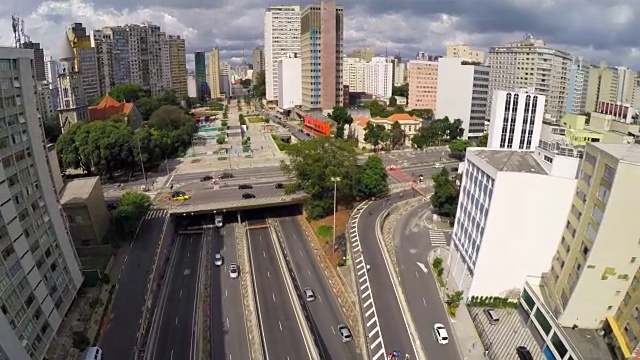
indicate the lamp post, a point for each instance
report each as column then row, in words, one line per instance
column 144, row 174
column 335, row 193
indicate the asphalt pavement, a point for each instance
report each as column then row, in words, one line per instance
column 208, row 196
column 325, row 314
column 250, row 173
column 118, row 339
column 176, row 330
column 280, row 328
column 228, row 331
column 414, row 240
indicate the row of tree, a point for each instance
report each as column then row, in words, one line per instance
column 445, row 193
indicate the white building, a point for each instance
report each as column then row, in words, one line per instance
column 354, row 70
column 463, row 93
column 192, row 85
column 505, row 228
column 378, row 78
column 281, row 37
column 516, row 120
column 290, row 80
column 41, row 271
column 51, row 71
column 400, row 76
column 47, row 101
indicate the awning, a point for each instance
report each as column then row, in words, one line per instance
column 619, row 337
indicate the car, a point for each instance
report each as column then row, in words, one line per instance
column 233, row 270
column 180, row 195
column 225, row 175
column 248, row 196
column 438, row 166
column 441, row 334
column 492, row 316
column 279, row 186
column 345, row 333
column 206, row 178
column 245, row 186
column 309, row 295
column 217, row 259
column 523, row 353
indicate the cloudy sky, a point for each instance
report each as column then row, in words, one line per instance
column 596, row 29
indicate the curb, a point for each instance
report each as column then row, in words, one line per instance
column 255, row 337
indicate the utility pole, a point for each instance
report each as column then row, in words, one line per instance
column 144, row 174
column 335, row 193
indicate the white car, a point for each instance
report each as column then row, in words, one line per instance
column 441, row 334
column 438, row 166
column 217, row 259
column 233, row 271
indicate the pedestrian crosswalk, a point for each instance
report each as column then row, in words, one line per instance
column 437, row 238
column 155, row 214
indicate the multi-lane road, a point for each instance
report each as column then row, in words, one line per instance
column 281, row 329
column 324, row 311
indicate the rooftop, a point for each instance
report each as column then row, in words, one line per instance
column 399, row 118
column 629, row 153
column 77, row 191
column 109, row 107
column 510, row 161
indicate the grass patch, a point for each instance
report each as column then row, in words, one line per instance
column 256, row 120
column 282, row 146
column 324, row 231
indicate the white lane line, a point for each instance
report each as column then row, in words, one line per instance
column 371, row 321
column 375, row 343
column 379, row 354
column 367, row 293
column 364, row 278
column 376, row 330
column 362, row 272
column 366, row 285
column 369, row 302
column 369, row 312
column 360, row 265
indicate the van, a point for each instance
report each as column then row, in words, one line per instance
column 492, row 316
column 93, row 353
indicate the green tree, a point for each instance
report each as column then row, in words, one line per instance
column 421, row 113
column 459, row 147
column 397, row 136
column 131, row 209
column 168, row 118
column 221, row 140
column 259, row 89
column 225, row 115
column 375, row 107
column 372, row 178
column 52, row 129
column 453, row 300
column 393, row 102
column 445, row 194
column 80, row 340
column 245, row 83
column 128, row 92
column 482, row 140
column 401, row 90
column 375, row 135
column 342, row 118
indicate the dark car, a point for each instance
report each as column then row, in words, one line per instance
column 523, row 353
column 226, row 175
column 279, row 186
column 206, row 178
column 248, row 196
column 245, row 186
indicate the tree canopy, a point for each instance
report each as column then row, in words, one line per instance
column 375, row 135
column 445, row 194
column 377, row 108
column 482, row 140
column 259, row 88
column 401, row 90
column 342, row 118
column 458, row 148
column 131, row 209
column 52, row 129
column 372, row 178
column 437, row 132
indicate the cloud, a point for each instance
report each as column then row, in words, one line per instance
column 591, row 28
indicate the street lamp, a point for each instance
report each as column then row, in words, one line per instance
column 335, row 193
column 144, row 174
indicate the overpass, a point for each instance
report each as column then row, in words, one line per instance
column 187, row 209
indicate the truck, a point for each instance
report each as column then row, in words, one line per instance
column 218, row 221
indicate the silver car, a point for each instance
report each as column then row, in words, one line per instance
column 309, row 295
column 217, row 259
column 233, row 271
column 345, row 333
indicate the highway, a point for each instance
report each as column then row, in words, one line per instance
column 325, row 311
column 176, row 331
column 228, row 331
column 247, row 175
column 420, row 287
column 281, row 331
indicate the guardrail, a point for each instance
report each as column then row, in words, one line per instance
column 249, row 301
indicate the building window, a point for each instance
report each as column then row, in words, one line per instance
column 586, row 177
column 590, row 158
column 597, row 214
column 571, row 229
column 542, row 321
column 528, row 300
column 609, row 173
column 591, row 233
column 576, row 212
column 603, row 194
column 558, row 345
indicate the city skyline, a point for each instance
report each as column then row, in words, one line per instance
column 446, row 23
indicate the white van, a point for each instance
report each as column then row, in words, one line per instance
column 219, row 222
column 93, row 353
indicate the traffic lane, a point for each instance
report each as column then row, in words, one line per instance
column 237, row 173
column 208, row 196
column 176, row 331
column 325, row 311
column 119, row 337
column 226, row 295
column 392, row 324
column 281, row 331
column 420, row 288
column 232, row 183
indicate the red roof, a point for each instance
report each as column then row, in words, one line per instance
column 109, row 107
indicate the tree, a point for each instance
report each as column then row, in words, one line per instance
column 221, row 140
column 393, row 101
column 445, row 194
column 128, row 92
column 259, row 89
column 372, row 178
column 80, row 340
column 459, row 147
column 245, row 83
column 397, row 136
column 168, row 118
column 438, row 131
column 52, row 129
column 454, row 299
column 131, row 209
column 421, row 113
column 401, row 90
column 482, row 140
column 376, row 108
column 342, row 118
column 375, row 135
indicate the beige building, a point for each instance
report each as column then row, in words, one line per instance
column 214, row 73
column 531, row 64
column 610, row 84
column 423, row 84
column 354, row 74
column 178, row 65
column 409, row 124
column 321, row 46
column 465, row 52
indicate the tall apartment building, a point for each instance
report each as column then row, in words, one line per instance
column 200, row 76
column 281, row 37
column 257, row 58
column 86, row 60
column 102, row 42
column 602, row 86
column 424, row 56
column 40, row 271
column 465, row 52
column 463, row 93
column 38, row 59
column 400, row 74
column 214, row 74
column 516, row 120
column 593, row 282
column 225, row 78
column 365, row 54
column 578, row 86
column 636, row 92
column 290, row 80
column 51, row 71
column 423, row 84
column 178, row 65
column 123, row 56
column 73, row 101
column 531, row 64
column 353, row 74
column 378, row 78
column 322, row 32
column 626, row 85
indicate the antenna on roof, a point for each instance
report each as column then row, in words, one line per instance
column 16, row 25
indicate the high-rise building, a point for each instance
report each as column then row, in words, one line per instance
column 531, row 64
column 400, row 74
column 73, row 102
column 578, row 86
column 102, row 42
column 51, row 71
column 290, row 80
column 353, row 74
column 516, row 120
column 602, row 85
column 39, row 273
column 322, row 32
column 463, row 93
column 365, row 54
column 86, row 60
column 225, row 78
column 257, row 61
column 281, row 37
column 201, row 75
column 38, row 59
column 423, row 84
column 178, row 65
column 214, row 73
column 626, row 84
column 465, row 52
column 424, row 56
column 379, row 77
column 193, row 86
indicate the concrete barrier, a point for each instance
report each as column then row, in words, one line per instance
column 249, row 302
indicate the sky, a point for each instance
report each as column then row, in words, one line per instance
column 595, row 29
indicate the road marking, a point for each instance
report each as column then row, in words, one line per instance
column 264, row 254
column 309, row 272
column 274, row 297
column 176, row 320
column 424, row 302
column 379, row 354
column 227, row 323
column 366, row 285
column 367, row 293
column 375, row 343
column 226, row 293
column 334, row 330
column 437, row 238
column 171, row 354
column 369, row 312
column 369, row 302
column 268, row 274
column 375, row 330
column 371, row 322
column 179, row 296
column 280, row 325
